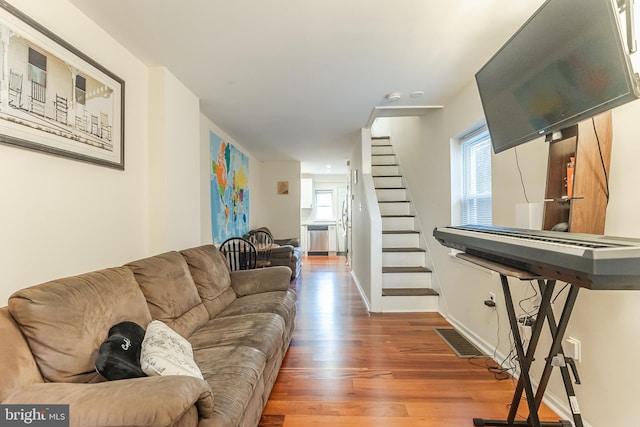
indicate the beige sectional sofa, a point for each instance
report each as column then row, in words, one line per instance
column 239, row 325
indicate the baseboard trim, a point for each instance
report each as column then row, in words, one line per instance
column 557, row 404
column 362, row 294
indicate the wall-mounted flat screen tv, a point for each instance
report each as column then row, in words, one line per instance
column 568, row 62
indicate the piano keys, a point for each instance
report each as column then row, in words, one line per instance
column 590, row 261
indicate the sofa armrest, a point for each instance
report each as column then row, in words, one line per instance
column 282, row 252
column 149, row 401
column 295, row 242
column 248, row 282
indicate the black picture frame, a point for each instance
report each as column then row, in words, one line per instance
column 54, row 98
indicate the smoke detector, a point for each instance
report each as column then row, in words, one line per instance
column 392, row 97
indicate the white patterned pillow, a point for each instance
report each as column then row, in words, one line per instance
column 165, row 352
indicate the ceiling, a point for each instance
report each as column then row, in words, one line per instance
column 295, row 79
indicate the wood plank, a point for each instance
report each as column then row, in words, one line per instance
column 408, row 292
column 589, row 209
column 499, row 268
column 405, row 270
column 350, row 368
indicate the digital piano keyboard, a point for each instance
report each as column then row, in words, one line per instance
column 586, row 260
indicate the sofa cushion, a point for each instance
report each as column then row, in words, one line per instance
column 282, row 303
column 66, row 320
column 171, row 294
column 165, row 352
column 210, row 273
column 235, row 374
column 263, row 331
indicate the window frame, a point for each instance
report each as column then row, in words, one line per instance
column 317, row 205
column 474, row 190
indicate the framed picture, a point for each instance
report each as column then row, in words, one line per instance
column 282, row 187
column 54, row 98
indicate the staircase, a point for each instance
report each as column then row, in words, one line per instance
column 406, row 279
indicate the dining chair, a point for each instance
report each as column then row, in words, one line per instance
column 240, row 253
column 263, row 242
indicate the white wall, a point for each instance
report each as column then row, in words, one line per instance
column 366, row 239
column 255, row 172
column 60, row 217
column 281, row 212
column 605, row 322
column 174, row 149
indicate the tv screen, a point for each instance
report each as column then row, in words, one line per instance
column 568, row 62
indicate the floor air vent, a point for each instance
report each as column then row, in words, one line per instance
column 458, row 343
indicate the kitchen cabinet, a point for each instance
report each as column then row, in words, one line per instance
column 306, row 193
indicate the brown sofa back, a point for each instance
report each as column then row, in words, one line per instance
column 170, row 292
column 66, row 320
column 210, row 273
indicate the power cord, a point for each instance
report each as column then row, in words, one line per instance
column 490, row 364
column 524, row 190
column 604, row 169
column 533, row 311
column 553, row 301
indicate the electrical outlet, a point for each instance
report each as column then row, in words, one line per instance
column 492, row 296
column 573, row 348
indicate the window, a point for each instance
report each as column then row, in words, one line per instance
column 324, row 205
column 81, row 90
column 37, row 67
column 475, row 206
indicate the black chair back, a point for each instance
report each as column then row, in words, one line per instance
column 261, row 239
column 263, row 242
column 241, row 254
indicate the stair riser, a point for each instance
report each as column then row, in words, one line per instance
column 385, row 170
column 402, row 223
column 395, row 208
column 391, row 194
column 410, row 304
column 380, row 141
column 387, row 159
column 403, row 259
column 406, row 280
column 381, row 149
column 401, row 240
column 387, row 182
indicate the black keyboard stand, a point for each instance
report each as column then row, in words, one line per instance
column 525, row 360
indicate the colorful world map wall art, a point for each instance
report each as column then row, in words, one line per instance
column 229, row 190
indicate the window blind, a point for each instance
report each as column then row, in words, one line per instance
column 476, row 179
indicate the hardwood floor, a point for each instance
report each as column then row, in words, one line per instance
column 346, row 367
